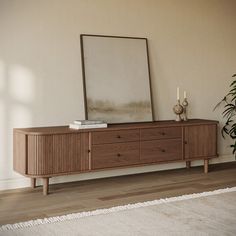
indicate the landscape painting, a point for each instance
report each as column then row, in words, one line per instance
column 116, row 79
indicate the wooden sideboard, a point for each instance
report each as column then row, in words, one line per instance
column 45, row 152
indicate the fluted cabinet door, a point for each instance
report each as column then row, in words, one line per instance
column 54, row 154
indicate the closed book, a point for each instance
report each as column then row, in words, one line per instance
column 88, row 122
column 92, row 126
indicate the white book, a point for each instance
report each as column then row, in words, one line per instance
column 88, row 122
column 92, row 126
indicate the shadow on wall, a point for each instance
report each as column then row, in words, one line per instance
column 17, row 95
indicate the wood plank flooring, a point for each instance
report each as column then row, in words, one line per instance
column 27, row 204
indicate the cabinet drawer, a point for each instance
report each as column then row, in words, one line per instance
column 114, row 155
column 161, row 133
column 118, row 136
column 161, row 150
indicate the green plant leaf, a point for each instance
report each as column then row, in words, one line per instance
column 232, row 92
column 233, row 98
column 220, row 103
column 234, row 125
column 234, row 147
column 232, row 136
column 224, row 130
column 227, row 112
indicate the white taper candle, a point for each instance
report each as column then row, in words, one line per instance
column 177, row 93
column 185, row 94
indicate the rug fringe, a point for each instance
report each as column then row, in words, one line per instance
column 111, row 210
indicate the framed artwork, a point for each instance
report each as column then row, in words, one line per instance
column 116, row 77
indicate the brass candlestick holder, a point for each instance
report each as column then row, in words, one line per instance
column 185, row 104
column 178, row 110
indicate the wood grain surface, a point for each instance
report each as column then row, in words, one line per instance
column 115, row 155
column 50, row 154
column 115, row 136
column 53, row 151
column 200, row 141
column 161, row 150
column 20, row 153
column 65, row 129
column 27, row 204
column 161, row 133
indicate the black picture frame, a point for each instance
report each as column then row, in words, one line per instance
column 88, row 52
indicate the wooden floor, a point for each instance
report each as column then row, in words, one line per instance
column 26, row 204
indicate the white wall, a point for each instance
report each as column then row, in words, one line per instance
column 191, row 45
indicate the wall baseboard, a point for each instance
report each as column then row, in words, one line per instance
column 23, row 182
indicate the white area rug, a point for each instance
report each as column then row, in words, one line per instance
column 208, row 213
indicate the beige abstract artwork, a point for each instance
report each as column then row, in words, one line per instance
column 116, row 79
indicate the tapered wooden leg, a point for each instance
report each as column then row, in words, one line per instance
column 206, row 163
column 45, row 185
column 188, row 164
column 33, row 182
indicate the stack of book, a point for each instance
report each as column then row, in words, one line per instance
column 87, row 124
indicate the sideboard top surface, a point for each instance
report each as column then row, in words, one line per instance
column 155, row 124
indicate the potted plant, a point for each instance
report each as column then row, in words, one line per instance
column 229, row 114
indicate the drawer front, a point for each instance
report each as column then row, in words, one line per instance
column 161, row 133
column 118, row 136
column 115, row 155
column 161, row 150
